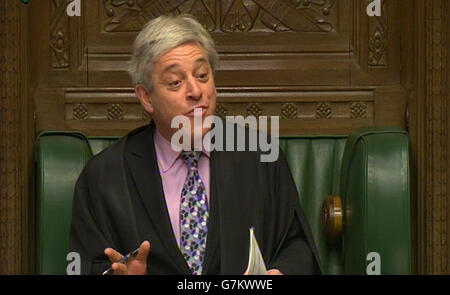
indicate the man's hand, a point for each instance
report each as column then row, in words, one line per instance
column 270, row 272
column 274, row 272
column 134, row 266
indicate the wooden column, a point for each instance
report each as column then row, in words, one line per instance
column 16, row 142
column 431, row 137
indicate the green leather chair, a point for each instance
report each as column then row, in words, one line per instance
column 367, row 172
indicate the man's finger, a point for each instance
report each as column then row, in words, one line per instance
column 274, row 272
column 144, row 249
column 113, row 255
column 119, row 269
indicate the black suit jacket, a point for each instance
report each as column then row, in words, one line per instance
column 119, row 202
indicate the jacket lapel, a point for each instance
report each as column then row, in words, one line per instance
column 141, row 158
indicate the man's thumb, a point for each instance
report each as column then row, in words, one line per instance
column 144, row 249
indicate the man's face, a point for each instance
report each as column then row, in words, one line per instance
column 182, row 80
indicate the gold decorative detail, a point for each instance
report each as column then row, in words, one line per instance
column 115, row 111
column 323, row 110
column 289, row 111
column 80, row 111
column 358, row 110
column 254, row 109
column 221, row 111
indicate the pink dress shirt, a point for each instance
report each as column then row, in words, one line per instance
column 173, row 171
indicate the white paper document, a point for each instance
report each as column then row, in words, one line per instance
column 256, row 264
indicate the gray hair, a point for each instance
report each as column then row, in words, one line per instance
column 161, row 35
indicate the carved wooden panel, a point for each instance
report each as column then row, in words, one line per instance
column 58, row 45
column 297, row 108
column 322, row 66
column 276, row 37
column 273, row 54
column 226, row 15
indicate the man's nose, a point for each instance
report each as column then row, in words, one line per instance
column 194, row 90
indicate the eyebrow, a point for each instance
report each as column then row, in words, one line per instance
column 201, row 60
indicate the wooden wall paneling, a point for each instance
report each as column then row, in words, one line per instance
column 410, row 20
column 329, row 76
column 252, row 43
column 58, row 56
column 113, row 111
column 49, row 108
column 447, row 130
column 434, row 186
column 430, row 135
column 377, row 44
column 16, row 143
column 307, row 46
column 390, row 106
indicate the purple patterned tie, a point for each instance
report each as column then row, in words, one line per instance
column 193, row 215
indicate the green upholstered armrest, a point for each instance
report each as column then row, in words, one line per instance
column 376, row 196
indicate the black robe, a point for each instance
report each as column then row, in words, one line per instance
column 119, row 202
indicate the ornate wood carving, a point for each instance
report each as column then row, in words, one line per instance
column 221, row 110
column 226, row 15
column 358, row 110
column 323, row 110
column 294, row 106
column 378, row 41
column 59, row 28
column 289, row 111
column 115, row 111
column 254, row 109
column 347, row 72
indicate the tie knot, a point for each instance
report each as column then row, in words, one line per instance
column 191, row 158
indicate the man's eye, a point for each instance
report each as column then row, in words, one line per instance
column 175, row 83
column 203, row 76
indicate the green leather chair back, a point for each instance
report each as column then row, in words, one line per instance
column 315, row 164
column 370, row 170
column 60, row 157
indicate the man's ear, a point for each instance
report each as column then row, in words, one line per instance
column 145, row 97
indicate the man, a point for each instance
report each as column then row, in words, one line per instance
column 188, row 212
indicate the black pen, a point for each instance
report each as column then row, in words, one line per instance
column 124, row 259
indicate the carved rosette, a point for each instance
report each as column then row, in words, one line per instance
column 115, row 111
column 80, row 111
column 254, row 109
column 221, row 110
column 358, row 110
column 323, row 110
column 289, row 111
